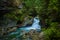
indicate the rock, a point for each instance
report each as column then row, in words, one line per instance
column 41, row 36
column 28, row 22
column 12, row 29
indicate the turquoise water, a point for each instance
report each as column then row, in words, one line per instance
column 34, row 26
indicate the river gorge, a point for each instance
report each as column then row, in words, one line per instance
column 22, row 30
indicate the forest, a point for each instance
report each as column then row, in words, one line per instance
column 17, row 15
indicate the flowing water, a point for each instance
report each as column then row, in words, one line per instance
column 34, row 26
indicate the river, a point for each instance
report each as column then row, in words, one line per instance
column 34, row 26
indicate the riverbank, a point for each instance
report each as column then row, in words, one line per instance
column 31, row 35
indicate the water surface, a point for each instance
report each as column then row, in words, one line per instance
column 34, row 26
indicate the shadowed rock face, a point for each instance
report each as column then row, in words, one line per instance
column 10, row 3
column 4, row 22
column 6, row 6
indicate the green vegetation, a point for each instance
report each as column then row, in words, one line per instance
column 52, row 33
column 48, row 11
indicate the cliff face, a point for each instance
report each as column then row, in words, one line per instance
column 7, row 6
column 10, row 3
